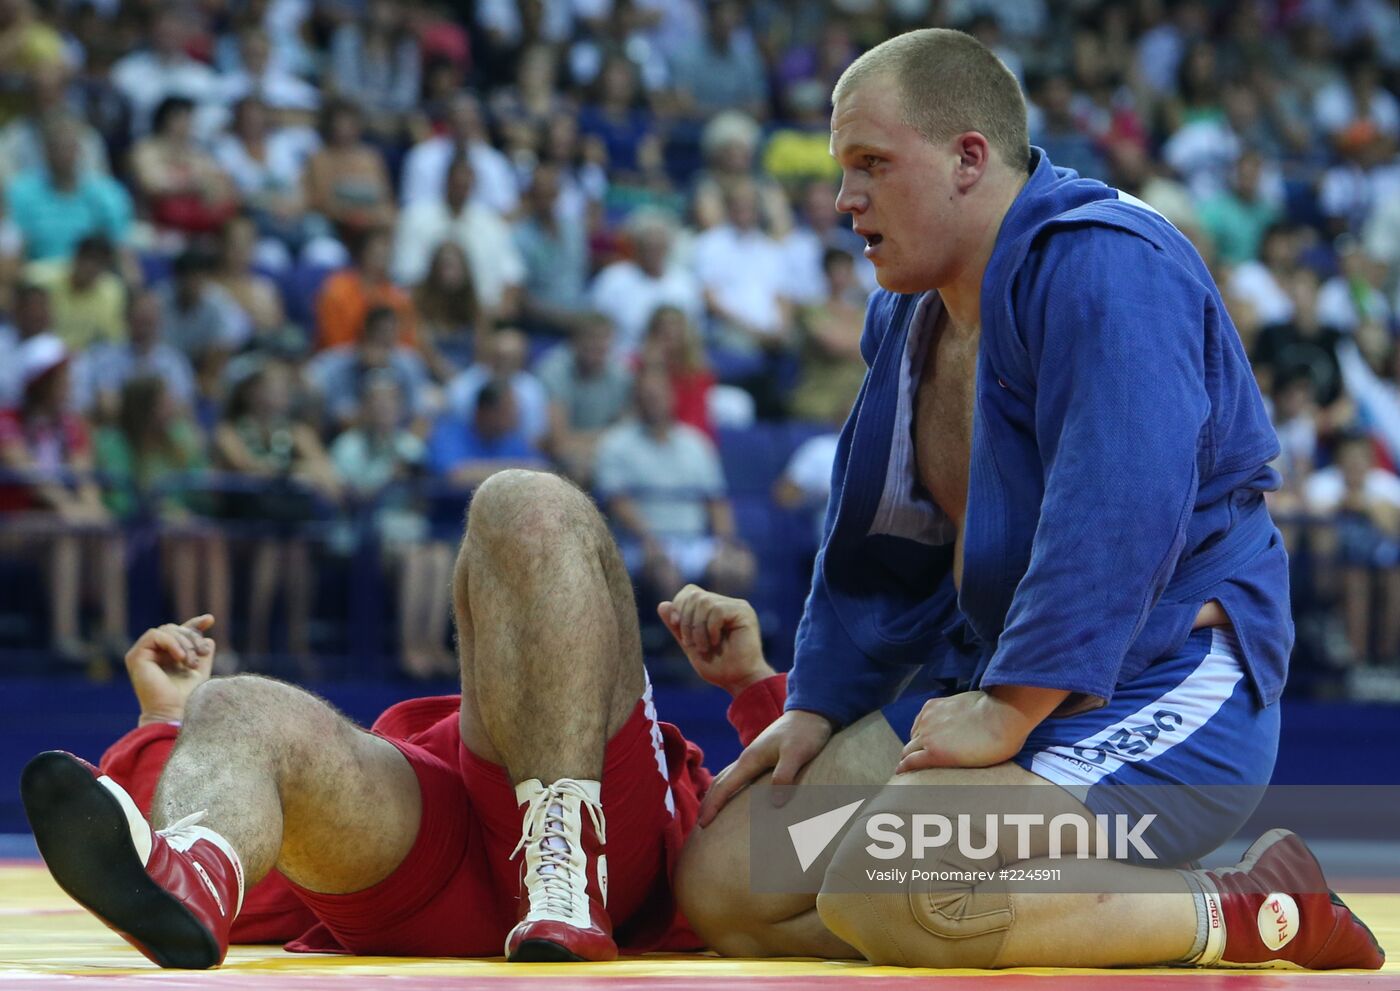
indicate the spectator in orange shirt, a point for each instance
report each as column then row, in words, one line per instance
column 348, row 295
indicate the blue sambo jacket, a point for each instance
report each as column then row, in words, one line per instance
column 1120, row 455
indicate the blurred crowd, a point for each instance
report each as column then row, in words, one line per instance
column 282, row 280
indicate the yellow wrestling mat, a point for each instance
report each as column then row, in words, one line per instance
column 48, row 942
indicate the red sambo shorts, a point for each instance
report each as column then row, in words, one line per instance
column 456, row 892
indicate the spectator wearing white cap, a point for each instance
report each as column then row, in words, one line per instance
column 56, row 507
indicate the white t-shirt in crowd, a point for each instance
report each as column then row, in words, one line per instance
column 670, row 479
column 746, row 270
column 146, row 79
column 628, row 296
column 1323, row 492
column 425, row 174
column 803, row 250
column 1334, row 108
column 1336, row 305
column 1256, row 285
column 480, row 231
column 810, row 466
column 288, row 150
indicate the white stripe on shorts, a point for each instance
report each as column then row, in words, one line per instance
column 1155, row 728
column 658, row 746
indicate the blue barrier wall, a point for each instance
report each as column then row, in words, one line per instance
column 1333, row 743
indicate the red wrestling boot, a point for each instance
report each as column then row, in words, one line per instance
column 1274, row 908
column 172, row 894
column 564, row 880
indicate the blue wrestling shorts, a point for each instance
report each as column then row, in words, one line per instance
column 1186, row 740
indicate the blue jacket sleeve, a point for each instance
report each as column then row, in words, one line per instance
column 830, row 674
column 1115, row 336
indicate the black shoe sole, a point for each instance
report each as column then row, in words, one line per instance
column 82, row 834
column 543, row 951
column 1336, row 900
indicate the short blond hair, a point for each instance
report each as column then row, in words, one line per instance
column 949, row 83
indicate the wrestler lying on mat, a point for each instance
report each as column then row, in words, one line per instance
column 407, row 839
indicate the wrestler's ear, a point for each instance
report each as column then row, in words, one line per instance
column 973, row 157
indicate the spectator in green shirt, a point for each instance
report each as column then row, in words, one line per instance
column 54, row 207
column 1237, row 217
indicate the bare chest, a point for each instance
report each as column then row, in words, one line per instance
column 943, row 417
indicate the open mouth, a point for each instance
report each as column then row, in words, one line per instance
column 873, row 239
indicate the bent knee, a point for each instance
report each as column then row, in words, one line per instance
column 252, row 705
column 867, row 921
column 915, row 924
column 517, row 506
column 510, row 492
column 726, row 917
column 234, row 696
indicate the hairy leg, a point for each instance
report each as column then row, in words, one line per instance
column 547, row 629
column 291, row 783
column 713, row 876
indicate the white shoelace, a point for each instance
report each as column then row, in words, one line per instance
column 563, row 880
column 184, row 833
column 180, row 834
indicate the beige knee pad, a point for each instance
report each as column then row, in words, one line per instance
column 930, row 923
